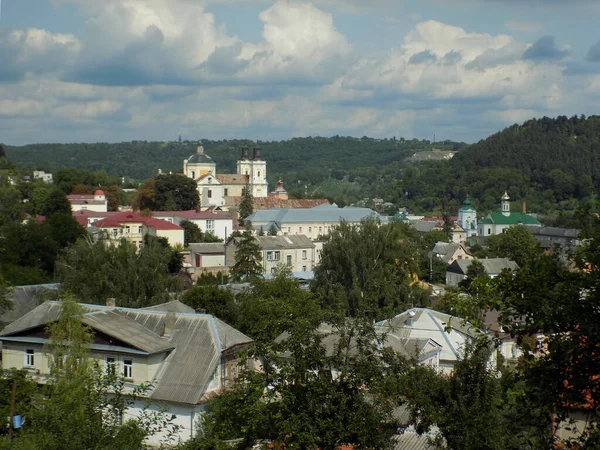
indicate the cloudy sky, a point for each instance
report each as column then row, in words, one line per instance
column 115, row 70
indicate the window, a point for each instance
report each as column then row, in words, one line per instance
column 300, row 229
column 272, row 269
column 140, row 244
column 259, row 174
column 193, row 174
column 210, row 225
column 273, row 256
column 110, row 365
column 140, row 229
column 303, row 268
column 29, row 357
column 128, row 369
column 289, row 260
column 303, row 254
column 225, row 192
column 319, row 229
column 310, row 229
column 209, row 193
column 127, row 229
column 115, row 231
column 489, row 231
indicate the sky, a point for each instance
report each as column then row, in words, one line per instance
column 121, row 70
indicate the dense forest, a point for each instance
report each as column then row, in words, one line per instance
column 553, row 164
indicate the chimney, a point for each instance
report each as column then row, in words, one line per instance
column 111, row 302
column 245, row 153
column 524, row 207
column 257, row 151
column 169, row 323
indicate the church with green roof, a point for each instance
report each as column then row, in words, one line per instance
column 497, row 221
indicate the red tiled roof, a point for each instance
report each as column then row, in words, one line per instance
column 233, row 179
column 192, row 214
column 130, row 217
column 274, row 202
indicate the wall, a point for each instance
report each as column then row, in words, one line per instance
column 174, row 236
column 452, row 279
column 300, row 261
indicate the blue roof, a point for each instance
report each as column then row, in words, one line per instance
column 321, row 213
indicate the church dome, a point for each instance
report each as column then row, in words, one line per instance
column 200, row 157
column 505, row 197
column 467, row 206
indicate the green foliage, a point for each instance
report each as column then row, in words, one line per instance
column 368, row 269
column 191, row 232
column 175, row 192
column 516, row 243
column 247, row 257
column 100, row 270
column 56, row 203
column 11, row 206
column 143, row 199
column 313, row 397
column 213, row 300
column 272, row 230
column 246, row 207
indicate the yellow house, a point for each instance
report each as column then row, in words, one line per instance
column 188, row 357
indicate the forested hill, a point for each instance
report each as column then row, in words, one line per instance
column 310, row 160
column 541, row 148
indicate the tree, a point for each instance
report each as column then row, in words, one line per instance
column 474, row 272
column 174, row 192
column 11, row 205
column 516, row 243
column 144, row 196
column 64, row 229
column 273, row 230
column 56, row 203
column 95, row 271
column 247, row 257
column 213, row 300
column 246, row 207
column 191, row 232
column 80, row 406
column 368, row 269
column 316, row 396
column 5, row 295
column 80, row 189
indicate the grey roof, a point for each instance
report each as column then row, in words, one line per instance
column 118, row 325
column 200, row 158
column 207, row 248
column 424, row 226
column 307, row 275
column 322, row 213
column 193, row 349
column 24, row 299
column 569, row 233
column 411, row 440
column 446, row 250
column 493, row 266
column 174, row 306
column 284, row 242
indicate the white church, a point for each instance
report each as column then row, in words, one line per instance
column 214, row 188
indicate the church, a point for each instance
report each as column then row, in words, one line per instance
column 497, row 222
column 217, row 189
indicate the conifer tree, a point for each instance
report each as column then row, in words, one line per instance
column 246, row 205
column 247, row 257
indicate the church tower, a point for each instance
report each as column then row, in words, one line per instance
column 199, row 164
column 467, row 218
column 256, row 170
column 506, row 204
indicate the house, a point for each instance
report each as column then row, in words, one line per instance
column 220, row 224
column 188, row 357
column 498, row 221
column 96, row 202
column 312, row 222
column 41, row 175
column 433, row 332
column 457, row 271
column 427, row 224
column 134, row 228
column 207, row 257
column 297, row 252
column 549, row 237
column 448, row 252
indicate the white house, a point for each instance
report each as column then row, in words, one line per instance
column 96, row 202
column 41, row 175
column 134, row 228
column 187, row 357
column 207, row 257
column 310, row 222
column 218, row 223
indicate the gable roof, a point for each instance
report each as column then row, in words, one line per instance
column 194, row 346
column 446, row 250
column 493, row 266
column 514, row 218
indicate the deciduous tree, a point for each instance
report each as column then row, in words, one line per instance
column 174, row 192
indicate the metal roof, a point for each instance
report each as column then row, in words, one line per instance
column 283, row 242
column 192, row 349
column 175, row 306
column 492, row 266
column 208, row 248
column 24, row 299
column 322, row 213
